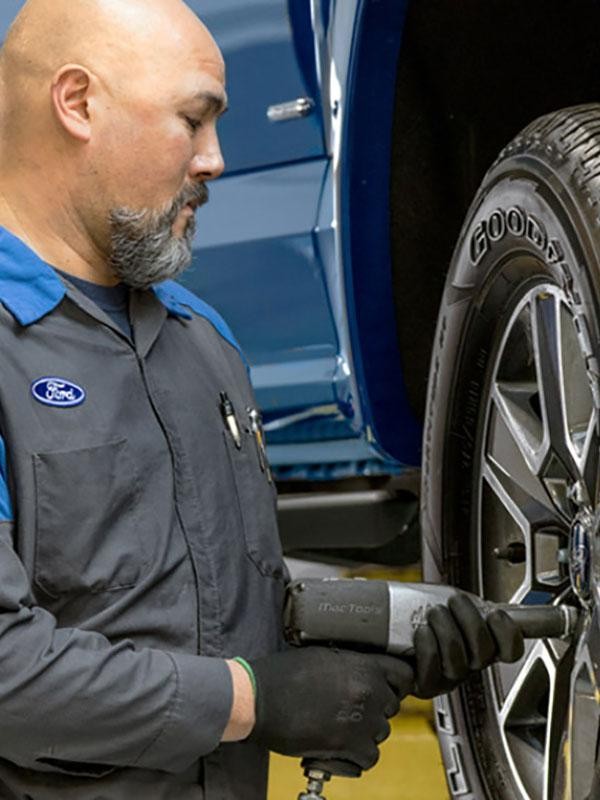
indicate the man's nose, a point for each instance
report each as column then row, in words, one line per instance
column 208, row 164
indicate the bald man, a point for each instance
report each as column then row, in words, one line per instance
column 138, row 539
column 141, row 575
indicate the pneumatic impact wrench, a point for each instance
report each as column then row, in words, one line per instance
column 383, row 616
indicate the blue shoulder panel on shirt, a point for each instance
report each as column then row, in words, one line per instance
column 177, row 300
column 6, row 510
column 29, row 288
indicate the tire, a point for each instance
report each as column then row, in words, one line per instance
column 510, row 457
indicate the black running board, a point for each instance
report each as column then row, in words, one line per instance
column 378, row 526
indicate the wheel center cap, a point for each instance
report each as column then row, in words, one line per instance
column 580, row 556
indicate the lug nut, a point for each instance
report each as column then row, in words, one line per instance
column 514, row 553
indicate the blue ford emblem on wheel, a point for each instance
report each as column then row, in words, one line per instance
column 57, row 392
column 580, row 558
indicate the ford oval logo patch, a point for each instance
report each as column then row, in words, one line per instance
column 57, row 392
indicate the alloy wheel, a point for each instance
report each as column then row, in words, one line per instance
column 538, row 526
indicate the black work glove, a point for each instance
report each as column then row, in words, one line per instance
column 328, row 704
column 460, row 639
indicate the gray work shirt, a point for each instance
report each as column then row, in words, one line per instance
column 138, row 545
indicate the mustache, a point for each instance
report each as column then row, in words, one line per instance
column 198, row 195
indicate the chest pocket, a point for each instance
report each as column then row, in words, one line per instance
column 257, row 504
column 88, row 515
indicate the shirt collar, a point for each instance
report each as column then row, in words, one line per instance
column 164, row 292
column 30, row 288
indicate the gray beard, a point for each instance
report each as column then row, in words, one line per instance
column 144, row 249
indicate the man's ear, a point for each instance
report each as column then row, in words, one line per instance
column 70, row 98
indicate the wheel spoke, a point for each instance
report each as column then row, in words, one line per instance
column 529, row 510
column 590, row 460
column 506, row 525
column 585, row 713
column 533, row 713
column 524, row 720
column 577, row 393
column 506, row 675
column 549, row 364
column 514, row 517
column 515, row 436
column 558, row 706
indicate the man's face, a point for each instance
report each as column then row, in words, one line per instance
column 162, row 149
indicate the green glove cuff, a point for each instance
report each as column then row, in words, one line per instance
column 249, row 670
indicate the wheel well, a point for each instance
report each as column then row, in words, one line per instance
column 470, row 76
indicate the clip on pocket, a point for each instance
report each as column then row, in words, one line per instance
column 259, row 437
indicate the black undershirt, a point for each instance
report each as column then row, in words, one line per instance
column 113, row 300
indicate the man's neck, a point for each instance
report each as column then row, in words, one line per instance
column 57, row 237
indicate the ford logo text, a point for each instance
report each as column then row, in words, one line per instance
column 57, row 392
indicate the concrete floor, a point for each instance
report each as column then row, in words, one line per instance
column 410, row 767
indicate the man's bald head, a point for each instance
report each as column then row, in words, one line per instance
column 127, row 45
column 113, row 38
column 97, row 96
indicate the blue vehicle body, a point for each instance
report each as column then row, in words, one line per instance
column 293, row 248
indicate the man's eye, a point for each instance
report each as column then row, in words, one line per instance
column 194, row 124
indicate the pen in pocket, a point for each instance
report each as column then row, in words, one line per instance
column 230, row 419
